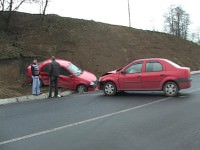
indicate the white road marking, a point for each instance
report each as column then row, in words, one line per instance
column 78, row 123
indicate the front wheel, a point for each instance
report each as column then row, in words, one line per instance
column 109, row 89
column 170, row 89
column 81, row 89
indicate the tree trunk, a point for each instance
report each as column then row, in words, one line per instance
column 45, row 7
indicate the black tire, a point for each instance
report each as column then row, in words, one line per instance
column 170, row 89
column 109, row 89
column 81, row 89
column 121, row 92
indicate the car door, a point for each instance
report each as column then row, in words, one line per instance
column 44, row 74
column 153, row 76
column 66, row 79
column 130, row 78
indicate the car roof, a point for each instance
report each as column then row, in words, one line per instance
column 150, row 59
column 60, row 61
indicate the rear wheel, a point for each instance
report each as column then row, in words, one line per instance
column 109, row 89
column 81, row 89
column 170, row 89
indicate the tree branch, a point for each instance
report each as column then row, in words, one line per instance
column 45, row 7
column 17, row 7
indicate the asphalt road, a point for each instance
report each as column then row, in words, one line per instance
column 130, row 121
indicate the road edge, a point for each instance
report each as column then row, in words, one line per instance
column 43, row 96
column 30, row 98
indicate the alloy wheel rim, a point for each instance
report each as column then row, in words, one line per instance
column 81, row 89
column 171, row 89
column 109, row 89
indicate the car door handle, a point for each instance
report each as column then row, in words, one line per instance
column 162, row 75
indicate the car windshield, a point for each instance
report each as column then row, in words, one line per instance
column 74, row 69
column 173, row 64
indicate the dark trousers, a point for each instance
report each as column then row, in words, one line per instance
column 53, row 83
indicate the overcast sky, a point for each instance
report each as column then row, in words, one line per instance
column 145, row 14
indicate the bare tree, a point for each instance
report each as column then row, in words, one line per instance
column 195, row 37
column 43, row 6
column 10, row 6
column 177, row 22
column 2, row 5
column 14, row 5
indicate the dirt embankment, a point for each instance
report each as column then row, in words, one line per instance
column 93, row 46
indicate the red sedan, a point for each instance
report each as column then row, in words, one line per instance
column 154, row 74
column 70, row 77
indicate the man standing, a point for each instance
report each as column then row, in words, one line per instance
column 54, row 72
column 35, row 76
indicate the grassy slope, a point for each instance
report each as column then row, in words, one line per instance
column 93, row 46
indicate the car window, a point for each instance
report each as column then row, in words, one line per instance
column 135, row 68
column 173, row 64
column 45, row 69
column 153, row 67
column 64, row 72
column 75, row 70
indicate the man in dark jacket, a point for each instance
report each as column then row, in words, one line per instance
column 54, row 72
column 35, row 76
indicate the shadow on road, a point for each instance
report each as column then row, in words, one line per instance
column 145, row 94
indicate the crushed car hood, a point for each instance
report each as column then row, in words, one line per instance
column 110, row 72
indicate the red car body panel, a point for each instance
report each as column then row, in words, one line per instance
column 145, row 80
column 67, row 78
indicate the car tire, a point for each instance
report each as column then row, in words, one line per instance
column 121, row 92
column 170, row 89
column 109, row 89
column 81, row 89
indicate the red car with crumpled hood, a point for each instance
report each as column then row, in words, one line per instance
column 153, row 74
column 71, row 76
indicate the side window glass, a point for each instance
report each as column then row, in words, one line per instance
column 64, row 72
column 135, row 68
column 153, row 67
column 45, row 69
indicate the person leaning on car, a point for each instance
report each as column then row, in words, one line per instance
column 35, row 76
column 54, row 72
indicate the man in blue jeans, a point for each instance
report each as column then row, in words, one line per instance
column 35, row 76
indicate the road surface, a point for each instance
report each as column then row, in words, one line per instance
column 130, row 121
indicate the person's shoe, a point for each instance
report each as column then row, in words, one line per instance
column 57, row 96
